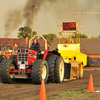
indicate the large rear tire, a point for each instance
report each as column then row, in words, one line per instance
column 6, row 76
column 39, row 71
column 59, row 70
column 51, row 63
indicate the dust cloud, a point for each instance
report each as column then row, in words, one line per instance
column 12, row 22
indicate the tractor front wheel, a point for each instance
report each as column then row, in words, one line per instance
column 39, row 71
column 6, row 65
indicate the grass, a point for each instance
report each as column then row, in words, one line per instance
column 64, row 94
column 69, row 93
column 61, row 95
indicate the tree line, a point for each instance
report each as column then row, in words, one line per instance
column 26, row 32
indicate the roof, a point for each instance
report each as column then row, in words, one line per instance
column 88, row 45
column 20, row 42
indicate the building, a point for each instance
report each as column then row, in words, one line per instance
column 89, row 46
column 19, row 41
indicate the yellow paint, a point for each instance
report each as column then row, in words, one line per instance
column 67, row 54
column 81, row 57
column 69, row 51
column 26, row 40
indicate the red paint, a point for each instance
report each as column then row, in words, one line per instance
column 12, row 70
column 31, row 60
column 41, row 72
column 49, row 75
column 28, row 71
column 45, row 54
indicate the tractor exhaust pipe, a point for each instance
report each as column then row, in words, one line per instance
column 26, row 42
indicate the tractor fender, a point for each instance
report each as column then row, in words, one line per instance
column 48, row 52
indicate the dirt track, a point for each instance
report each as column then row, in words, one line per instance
column 28, row 91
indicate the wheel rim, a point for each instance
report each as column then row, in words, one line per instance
column 43, row 72
column 61, row 71
column 81, row 71
column 12, row 74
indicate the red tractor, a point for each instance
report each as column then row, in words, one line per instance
column 49, row 66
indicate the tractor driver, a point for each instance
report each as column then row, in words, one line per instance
column 70, row 40
column 35, row 46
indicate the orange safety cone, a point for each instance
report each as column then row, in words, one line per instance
column 90, row 86
column 42, row 91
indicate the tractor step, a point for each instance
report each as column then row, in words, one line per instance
column 69, row 79
column 21, row 76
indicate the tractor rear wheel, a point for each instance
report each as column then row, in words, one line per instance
column 51, row 63
column 39, row 71
column 59, row 70
column 6, row 65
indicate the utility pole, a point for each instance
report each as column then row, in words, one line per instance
column 32, row 20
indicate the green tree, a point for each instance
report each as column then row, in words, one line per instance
column 34, row 33
column 24, row 32
column 49, row 37
column 79, row 36
column 94, row 37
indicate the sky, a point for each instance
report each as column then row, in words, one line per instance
column 14, row 14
